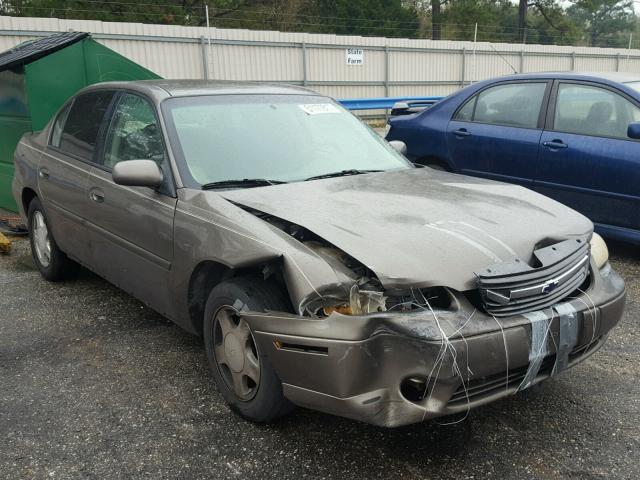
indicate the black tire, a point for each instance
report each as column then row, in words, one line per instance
column 59, row 266
column 268, row 401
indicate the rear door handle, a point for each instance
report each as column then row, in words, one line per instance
column 43, row 173
column 555, row 144
column 96, row 195
column 461, row 132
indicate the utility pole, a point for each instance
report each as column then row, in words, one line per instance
column 206, row 12
column 522, row 20
column 475, row 39
column 436, row 27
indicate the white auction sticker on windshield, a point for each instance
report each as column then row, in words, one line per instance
column 318, row 108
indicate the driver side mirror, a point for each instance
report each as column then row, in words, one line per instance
column 137, row 173
column 400, row 108
column 399, row 146
column 633, row 130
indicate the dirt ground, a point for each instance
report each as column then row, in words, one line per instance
column 95, row 385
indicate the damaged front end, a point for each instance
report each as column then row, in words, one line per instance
column 355, row 289
column 395, row 356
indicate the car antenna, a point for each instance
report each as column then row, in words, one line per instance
column 505, row 60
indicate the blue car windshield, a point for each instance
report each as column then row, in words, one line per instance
column 634, row 85
column 283, row 138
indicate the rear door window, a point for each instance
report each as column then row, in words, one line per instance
column 593, row 111
column 80, row 132
column 512, row 104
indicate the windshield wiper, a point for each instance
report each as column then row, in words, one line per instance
column 245, row 182
column 341, row 173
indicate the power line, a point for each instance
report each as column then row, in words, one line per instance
column 451, row 31
column 261, row 12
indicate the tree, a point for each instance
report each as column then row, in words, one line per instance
column 495, row 19
column 549, row 24
column 605, row 22
column 385, row 18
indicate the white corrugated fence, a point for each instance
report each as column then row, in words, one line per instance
column 390, row 66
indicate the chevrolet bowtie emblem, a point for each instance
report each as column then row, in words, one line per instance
column 549, row 287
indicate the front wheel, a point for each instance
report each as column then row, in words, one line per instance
column 243, row 374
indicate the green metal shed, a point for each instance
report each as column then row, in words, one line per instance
column 38, row 76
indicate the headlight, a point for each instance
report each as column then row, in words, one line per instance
column 361, row 302
column 599, row 250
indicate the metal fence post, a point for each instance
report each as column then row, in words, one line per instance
column 386, row 70
column 206, row 9
column 205, row 59
column 464, row 66
column 522, row 61
column 573, row 61
column 618, row 62
column 304, row 63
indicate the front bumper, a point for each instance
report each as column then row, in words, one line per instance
column 353, row 366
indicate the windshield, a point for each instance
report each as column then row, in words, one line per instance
column 278, row 137
column 634, row 85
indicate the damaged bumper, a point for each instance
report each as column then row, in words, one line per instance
column 367, row 367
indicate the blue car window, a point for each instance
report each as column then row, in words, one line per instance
column 512, row 104
column 593, row 111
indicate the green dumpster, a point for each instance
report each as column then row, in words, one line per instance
column 38, row 76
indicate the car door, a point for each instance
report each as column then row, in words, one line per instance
column 587, row 161
column 133, row 226
column 64, row 170
column 496, row 133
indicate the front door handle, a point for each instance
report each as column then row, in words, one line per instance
column 96, row 195
column 555, row 144
column 43, row 173
column 461, row 132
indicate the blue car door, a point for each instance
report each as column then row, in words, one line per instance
column 587, row 161
column 496, row 133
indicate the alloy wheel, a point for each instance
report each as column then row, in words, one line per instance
column 236, row 353
column 41, row 240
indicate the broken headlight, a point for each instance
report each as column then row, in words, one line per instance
column 361, row 302
column 599, row 251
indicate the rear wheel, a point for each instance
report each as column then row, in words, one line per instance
column 243, row 374
column 52, row 263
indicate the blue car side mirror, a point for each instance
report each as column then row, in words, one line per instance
column 633, row 131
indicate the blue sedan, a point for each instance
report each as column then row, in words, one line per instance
column 574, row 137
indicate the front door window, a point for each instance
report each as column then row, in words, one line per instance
column 135, row 134
column 593, row 111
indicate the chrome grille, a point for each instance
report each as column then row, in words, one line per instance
column 514, row 288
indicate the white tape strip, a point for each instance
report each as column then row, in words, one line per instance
column 568, row 337
column 540, row 324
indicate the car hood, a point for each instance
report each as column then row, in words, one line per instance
column 421, row 227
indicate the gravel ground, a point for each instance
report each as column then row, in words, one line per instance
column 95, row 385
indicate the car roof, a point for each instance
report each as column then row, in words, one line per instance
column 162, row 88
column 619, row 77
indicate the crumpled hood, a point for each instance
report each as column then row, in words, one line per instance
column 420, row 227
